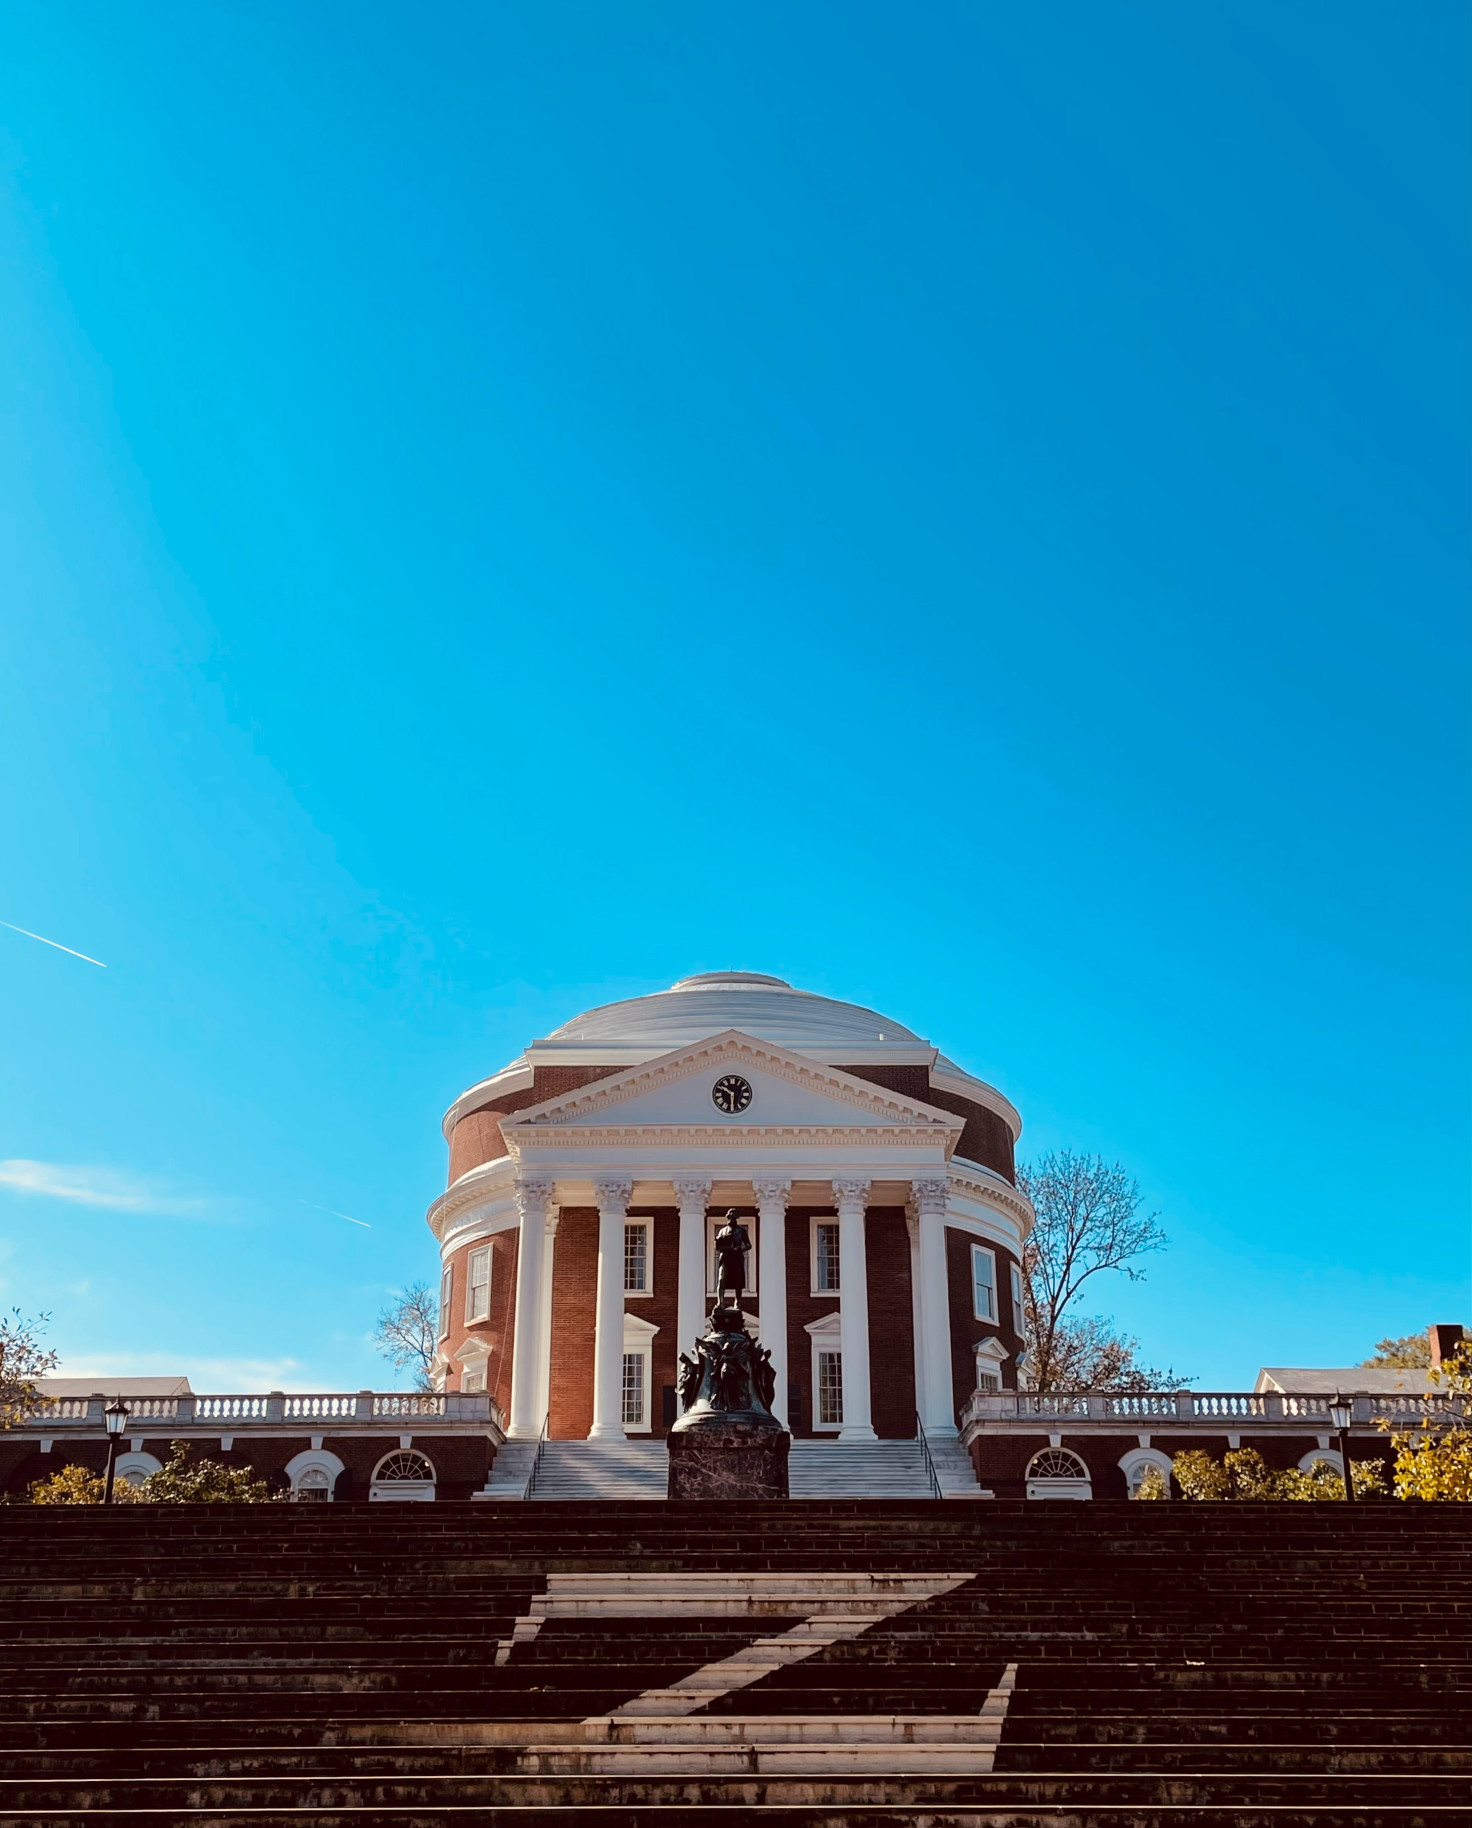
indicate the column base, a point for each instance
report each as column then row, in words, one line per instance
column 942, row 1431
column 606, row 1431
column 522, row 1431
column 857, row 1431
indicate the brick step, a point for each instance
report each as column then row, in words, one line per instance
column 711, row 1777
column 116, row 1762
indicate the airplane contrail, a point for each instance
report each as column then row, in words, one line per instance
column 335, row 1213
column 52, row 942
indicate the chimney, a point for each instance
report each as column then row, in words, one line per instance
column 1444, row 1343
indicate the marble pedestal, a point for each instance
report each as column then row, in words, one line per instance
column 728, row 1459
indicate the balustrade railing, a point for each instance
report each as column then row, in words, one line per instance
column 1165, row 1408
column 326, row 1410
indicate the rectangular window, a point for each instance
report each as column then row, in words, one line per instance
column 983, row 1283
column 478, row 1284
column 636, row 1390
column 988, row 1380
column 473, row 1377
column 830, row 1390
column 447, row 1289
column 1017, row 1298
column 636, row 1258
column 825, row 1257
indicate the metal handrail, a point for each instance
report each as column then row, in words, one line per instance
column 531, row 1484
column 930, row 1471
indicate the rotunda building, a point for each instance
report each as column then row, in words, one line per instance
column 589, row 1176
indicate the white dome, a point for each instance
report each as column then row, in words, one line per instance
column 765, row 1007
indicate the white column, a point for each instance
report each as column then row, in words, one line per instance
column 934, row 1395
column 608, row 1340
column 850, row 1197
column 693, row 1197
column 528, row 1342
column 544, row 1360
column 917, row 1328
column 771, row 1207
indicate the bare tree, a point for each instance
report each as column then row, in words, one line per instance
column 1088, row 1354
column 1088, row 1221
column 407, row 1333
column 23, row 1359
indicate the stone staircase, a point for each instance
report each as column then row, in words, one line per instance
column 1100, row 1665
column 858, row 1469
column 573, row 1472
column 510, row 1472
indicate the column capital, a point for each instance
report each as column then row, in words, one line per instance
column 850, row 1195
column 613, row 1197
column 692, row 1190
column 773, row 1191
column 535, row 1196
column 929, row 1197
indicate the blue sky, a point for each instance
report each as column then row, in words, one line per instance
column 502, row 508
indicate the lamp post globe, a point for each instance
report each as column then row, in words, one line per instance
column 115, row 1416
column 1341, row 1414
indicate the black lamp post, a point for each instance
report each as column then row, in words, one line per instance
column 116, row 1416
column 1341, row 1414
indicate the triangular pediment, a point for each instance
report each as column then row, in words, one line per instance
column 677, row 1088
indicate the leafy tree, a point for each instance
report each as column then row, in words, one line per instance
column 203, row 1482
column 1088, row 1221
column 76, row 1485
column 1153, row 1485
column 1409, row 1352
column 1244, row 1474
column 407, row 1333
column 23, row 1359
column 1434, row 1463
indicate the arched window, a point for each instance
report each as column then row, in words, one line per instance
column 1322, row 1456
column 1135, row 1464
column 133, row 1468
column 1057, row 1473
column 313, row 1476
column 401, row 1477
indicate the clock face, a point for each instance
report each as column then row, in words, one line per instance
column 731, row 1094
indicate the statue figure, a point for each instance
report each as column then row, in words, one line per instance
column 733, row 1389
column 733, row 1246
column 766, row 1377
column 691, row 1373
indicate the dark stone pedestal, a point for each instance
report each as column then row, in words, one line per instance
column 728, row 1459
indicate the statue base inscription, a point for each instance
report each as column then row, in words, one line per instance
column 730, row 1461
column 727, row 1444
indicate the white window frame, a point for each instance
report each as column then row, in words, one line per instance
column 641, row 1356
column 639, row 1342
column 813, row 1224
column 314, row 1460
column 481, row 1255
column 447, row 1295
column 647, row 1227
column 1133, row 1464
column 473, row 1377
column 978, row 1252
column 713, row 1223
column 989, row 1356
column 1074, row 1486
column 1017, row 1302
column 825, row 1335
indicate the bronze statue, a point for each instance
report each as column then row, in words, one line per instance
column 733, row 1246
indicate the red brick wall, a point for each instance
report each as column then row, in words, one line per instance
column 891, row 1323
column 476, row 1138
column 1001, row 1460
column 967, row 1331
column 987, row 1138
column 803, row 1307
column 574, row 1307
column 498, row 1328
column 660, row 1308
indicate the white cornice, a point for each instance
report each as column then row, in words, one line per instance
column 536, row 1140
column 962, row 1085
column 474, row 1188
column 514, row 1078
column 992, row 1190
